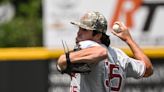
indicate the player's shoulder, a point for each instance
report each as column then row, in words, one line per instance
column 88, row 43
column 118, row 51
column 115, row 49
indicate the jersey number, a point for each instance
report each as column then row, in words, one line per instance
column 113, row 75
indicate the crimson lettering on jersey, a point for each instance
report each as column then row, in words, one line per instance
column 115, row 77
column 106, row 82
column 74, row 89
column 73, row 75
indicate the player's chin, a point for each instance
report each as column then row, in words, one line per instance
column 78, row 40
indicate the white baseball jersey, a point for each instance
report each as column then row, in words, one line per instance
column 107, row 75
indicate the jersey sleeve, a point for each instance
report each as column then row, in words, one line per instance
column 132, row 67
column 135, row 68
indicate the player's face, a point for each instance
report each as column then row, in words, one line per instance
column 83, row 34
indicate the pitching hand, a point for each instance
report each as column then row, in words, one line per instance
column 123, row 34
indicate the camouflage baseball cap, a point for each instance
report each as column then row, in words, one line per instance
column 92, row 21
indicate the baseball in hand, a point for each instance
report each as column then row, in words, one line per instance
column 116, row 28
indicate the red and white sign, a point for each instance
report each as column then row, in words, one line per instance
column 143, row 17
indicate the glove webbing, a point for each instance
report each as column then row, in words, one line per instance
column 69, row 64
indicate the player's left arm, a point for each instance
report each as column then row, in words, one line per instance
column 88, row 55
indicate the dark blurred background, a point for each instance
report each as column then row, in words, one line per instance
column 21, row 27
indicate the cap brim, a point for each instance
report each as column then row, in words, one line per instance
column 75, row 23
column 81, row 25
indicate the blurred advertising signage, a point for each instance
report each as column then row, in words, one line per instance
column 143, row 17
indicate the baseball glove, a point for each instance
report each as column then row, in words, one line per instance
column 76, row 67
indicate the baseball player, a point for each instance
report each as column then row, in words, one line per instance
column 97, row 67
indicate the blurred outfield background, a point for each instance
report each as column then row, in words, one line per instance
column 31, row 32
